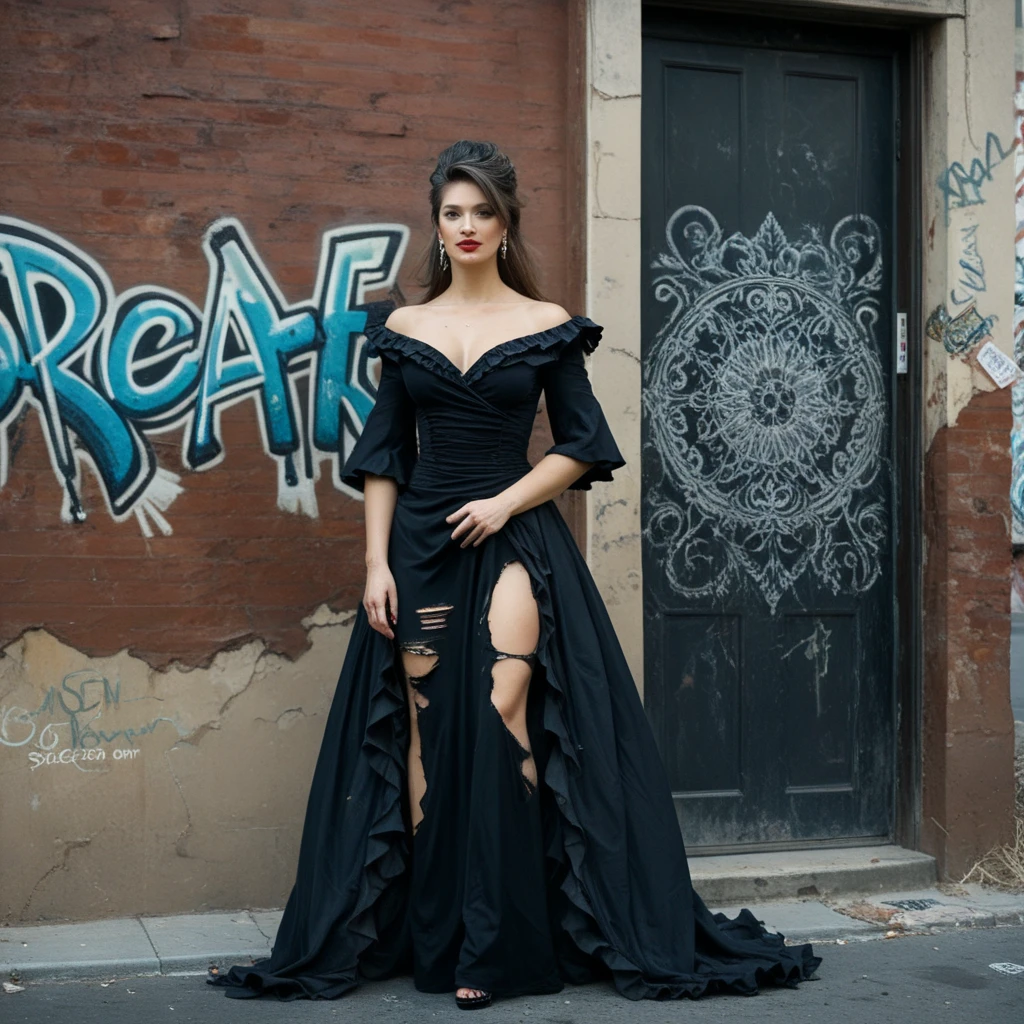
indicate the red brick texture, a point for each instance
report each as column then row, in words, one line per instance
column 968, row 725
column 127, row 129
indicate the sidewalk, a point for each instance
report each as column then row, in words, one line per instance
column 190, row 943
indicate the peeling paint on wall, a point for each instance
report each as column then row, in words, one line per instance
column 130, row 790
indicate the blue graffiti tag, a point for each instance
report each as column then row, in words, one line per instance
column 972, row 268
column 104, row 371
column 961, row 187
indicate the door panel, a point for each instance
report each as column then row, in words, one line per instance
column 702, row 685
column 768, row 494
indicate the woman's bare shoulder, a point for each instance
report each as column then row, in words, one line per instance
column 545, row 315
column 402, row 320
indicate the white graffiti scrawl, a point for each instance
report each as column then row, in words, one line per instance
column 766, row 403
column 105, row 371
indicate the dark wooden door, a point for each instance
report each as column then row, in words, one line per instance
column 768, row 472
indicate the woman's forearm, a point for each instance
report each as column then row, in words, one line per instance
column 380, row 494
column 552, row 475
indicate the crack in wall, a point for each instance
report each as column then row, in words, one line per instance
column 69, row 846
column 625, row 351
column 196, row 735
column 181, row 843
column 292, row 712
column 609, row 97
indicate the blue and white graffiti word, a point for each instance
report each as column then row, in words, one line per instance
column 107, row 371
column 971, row 267
column 961, row 187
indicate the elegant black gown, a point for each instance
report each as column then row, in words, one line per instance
column 504, row 886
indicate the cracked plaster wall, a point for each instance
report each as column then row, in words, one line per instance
column 613, row 300
column 968, row 108
column 205, row 814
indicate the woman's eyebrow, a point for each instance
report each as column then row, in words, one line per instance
column 455, row 206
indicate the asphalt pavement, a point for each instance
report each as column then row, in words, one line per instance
column 906, row 979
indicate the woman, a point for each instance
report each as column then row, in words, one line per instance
column 488, row 808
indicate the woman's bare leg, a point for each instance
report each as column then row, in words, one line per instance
column 514, row 623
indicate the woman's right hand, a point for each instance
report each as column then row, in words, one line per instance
column 380, row 597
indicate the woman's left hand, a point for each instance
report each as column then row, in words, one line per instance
column 480, row 519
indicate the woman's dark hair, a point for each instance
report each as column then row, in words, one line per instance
column 487, row 167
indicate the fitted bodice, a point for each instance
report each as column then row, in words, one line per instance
column 477, row 432
column 473, row 429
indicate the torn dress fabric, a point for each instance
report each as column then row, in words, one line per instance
column 503, row 886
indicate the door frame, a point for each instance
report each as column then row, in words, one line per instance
column 905, row 45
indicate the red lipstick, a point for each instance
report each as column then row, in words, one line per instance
column 469, row 245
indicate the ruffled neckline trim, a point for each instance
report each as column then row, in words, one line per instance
column 537, row 347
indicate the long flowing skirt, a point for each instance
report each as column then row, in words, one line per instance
column 503, row 886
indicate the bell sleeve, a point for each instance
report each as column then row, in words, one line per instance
column 578, row 424
column 387, row 445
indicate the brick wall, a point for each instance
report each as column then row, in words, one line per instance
column 968, row 728
column 128, row 128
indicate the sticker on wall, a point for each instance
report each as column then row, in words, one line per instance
column 999, row 366
column 766, row 403
column 106, row 372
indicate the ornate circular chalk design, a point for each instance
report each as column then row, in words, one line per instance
column 765, row 401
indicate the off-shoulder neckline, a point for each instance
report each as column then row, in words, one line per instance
column 565, row 331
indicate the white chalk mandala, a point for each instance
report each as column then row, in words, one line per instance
column 765, row 403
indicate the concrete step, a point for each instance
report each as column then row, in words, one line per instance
column 739, row 878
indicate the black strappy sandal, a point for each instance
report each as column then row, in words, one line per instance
column 473, row 1002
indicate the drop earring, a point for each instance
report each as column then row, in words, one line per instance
column 504, row 245
column 443, row 253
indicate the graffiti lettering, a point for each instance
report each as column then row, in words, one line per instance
column 972, row 268
column 106, row 371
column 67, row 756
column 83, row 697
column 961, row 187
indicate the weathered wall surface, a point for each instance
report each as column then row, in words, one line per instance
column 969, row 219
column 968, row 729
column 129, row 789
column 613, row 299
column 196, row 203
column 1017, row 491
